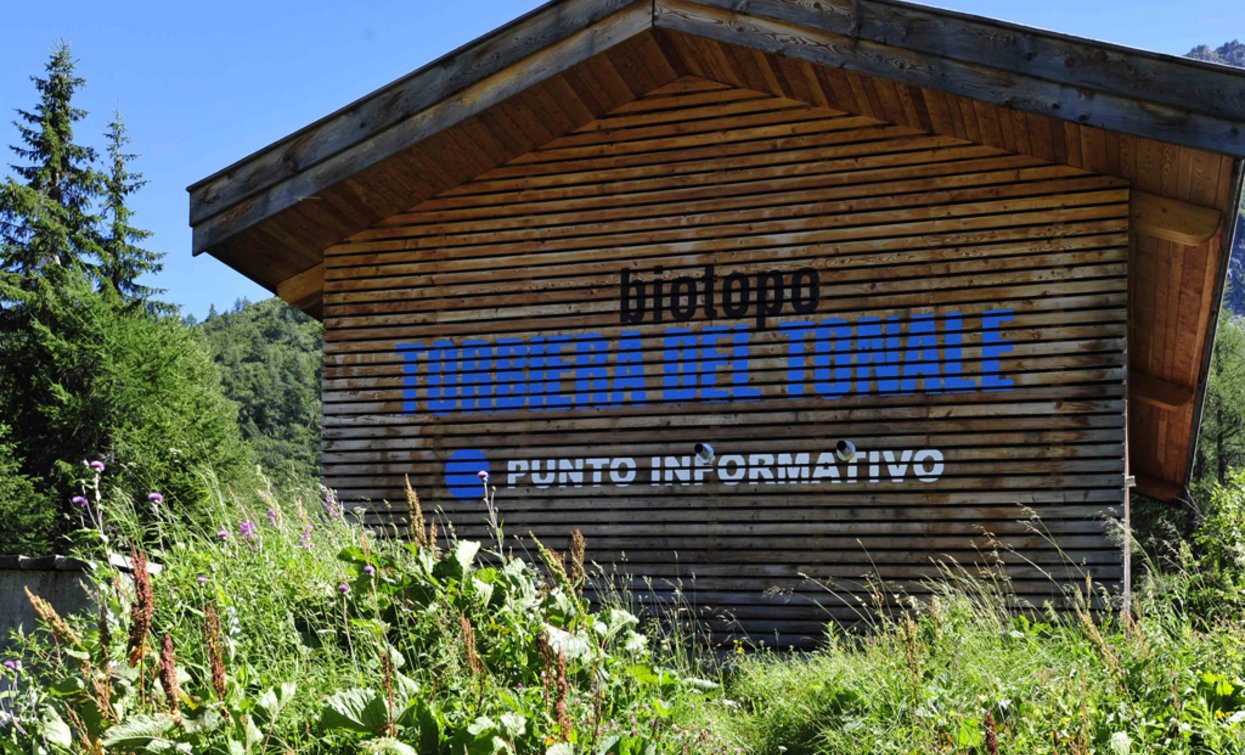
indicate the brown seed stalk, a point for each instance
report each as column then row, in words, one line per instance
column 387, row 671
column 552, row 559
column 141, row 609
column 579, row 575
column 415, row 515
column 563, row 687
column 546, row 654
column 469, row 642
column 102, row 683
column 168, row 677
column 992, row 741
column 216, row 649
column 58, row 626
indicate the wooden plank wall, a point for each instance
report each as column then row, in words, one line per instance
column 897, row 223
column 1170, row 284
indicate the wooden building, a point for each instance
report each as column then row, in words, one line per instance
column 582, row 248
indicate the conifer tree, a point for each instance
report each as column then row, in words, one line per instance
column 122, row 260
column 46, row 217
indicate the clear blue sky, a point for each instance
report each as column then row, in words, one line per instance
column 204, row 84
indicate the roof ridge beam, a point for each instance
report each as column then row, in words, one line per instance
column 449, row 90
column 1154, row 77
column 830, row 37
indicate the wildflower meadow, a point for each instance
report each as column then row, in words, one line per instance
column 284, row 623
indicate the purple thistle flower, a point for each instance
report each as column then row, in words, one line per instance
column 154, row 497
column 201, row 579
column 483, row 475
column 272, row 517
column 79, row 500
column 305, row 540
column 343, row 588
column 247, row 528
column 222, row 533
column 97, row 465
column 13, row 665
column 369, row 570
column 332, row 507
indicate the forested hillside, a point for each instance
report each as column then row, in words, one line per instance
column 269, row 359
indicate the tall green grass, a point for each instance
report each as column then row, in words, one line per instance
column 342, row 637
column 964, row 671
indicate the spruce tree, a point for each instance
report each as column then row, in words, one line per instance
column 87, row 371
column 46, row 217
column 122, row 260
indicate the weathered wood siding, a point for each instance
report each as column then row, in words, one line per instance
column 1018, row 265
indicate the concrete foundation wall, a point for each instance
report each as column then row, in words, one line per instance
column 56, row 579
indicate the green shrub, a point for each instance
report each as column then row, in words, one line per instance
column 25, row 518
column 101, row 380
column 328, row 637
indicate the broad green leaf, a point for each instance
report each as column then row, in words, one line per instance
column 465, row 554
column 635, row 643
column 396, row 657
column 561, row 748
column 387, row 746
column 352, row 554
column 253, row 735
column 208, row 721
column 513, row 725
column 616, row 620
column 361, row 710
column 55, row 731
column 137, row 731
column 481, row 725
column 484, row 591
column 421, row 716
column 572, row 645
column 68, row 686
column 642, row 674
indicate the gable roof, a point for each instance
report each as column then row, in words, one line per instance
column 1175, row 128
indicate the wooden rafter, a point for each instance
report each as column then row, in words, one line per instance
column 1173, row 220
column 304, row 290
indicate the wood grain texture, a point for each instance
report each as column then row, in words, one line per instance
column 895, row 225
column 816, row 33
column 1173, row 286
column 1174, row 221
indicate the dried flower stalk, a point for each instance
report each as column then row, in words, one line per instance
column 216, row 649
column 469, row 642
column 168, row 677
column 387, row 671
column 59, row 627
column 552, row 559
column 415, row 515
column 579, row 575
column 563, row 687
column 141, row 610
column 102, row 682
